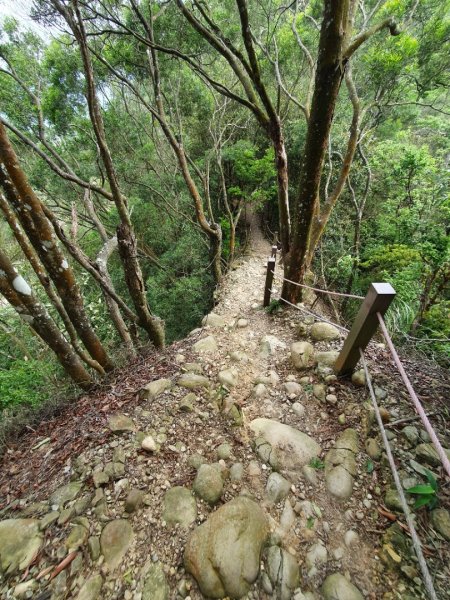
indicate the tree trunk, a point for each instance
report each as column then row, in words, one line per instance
column 215, row 254
column 323, row 213
column 28, row 209
column 18, row 293
column 329, row 74
column 128, row 254
column 355, row 262
column 125, row 234
column 38, row 268
column 281, row 165
column 109, row 245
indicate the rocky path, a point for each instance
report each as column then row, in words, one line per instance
column 247, row 470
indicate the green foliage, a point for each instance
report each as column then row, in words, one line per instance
column 254, row 175
column 426, row 493
column 316, row 463
column 26, row 382
column 274, row 307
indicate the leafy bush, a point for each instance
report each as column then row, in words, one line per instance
column 26, row 382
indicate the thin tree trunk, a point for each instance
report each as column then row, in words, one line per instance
column 28, row 209
column 125, row 234
column 18, row 293
column 38, row 268
column 109, row 245
column 281, row 165
column 127, row 252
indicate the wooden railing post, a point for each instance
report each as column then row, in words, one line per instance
column 274, row 250
column 377, row 300
column 269, row 280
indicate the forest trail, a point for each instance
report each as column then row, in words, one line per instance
column 221, row 470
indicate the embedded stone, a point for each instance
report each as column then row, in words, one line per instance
column 289, row 449
column 115, row 541
column 91, row 588
column 337, row 587
column 134, row 500
column 148, row 444
column 20, row 541
column 340, row 465
column 440, row 519
column 208, row 484
column 283, row 572
column 155, row 584
column 155, row 388
column 228, row 377
column 223, row 554
column 213, row 320
column 277, row 488
column 120, row 423
column 179, row 507
column 359, row 378
column 326, row 359
column 65, row 494
column 269, row 345
column 324, row 332
column 206, row 345
column 193, row 381
column 302, row 355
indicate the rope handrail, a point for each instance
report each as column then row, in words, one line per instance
column 409, row 519
column 417, row 404
column 308, row 287
column 313, row 314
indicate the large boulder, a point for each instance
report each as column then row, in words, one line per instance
column 20, row 541
column 288, row 448
column 224, row 553
column 302, row 355
column 324, row 332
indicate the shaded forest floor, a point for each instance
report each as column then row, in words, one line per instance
column 248, row 375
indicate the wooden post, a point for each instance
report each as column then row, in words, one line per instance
column 377, row 300
column 274, row 250
column 269, row 280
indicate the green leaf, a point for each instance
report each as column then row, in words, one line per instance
column 421, row 489
column 422, row 501
column 310, row 522
column 431, row 479
column 370, row 466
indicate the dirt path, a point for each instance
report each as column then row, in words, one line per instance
column 243, row 427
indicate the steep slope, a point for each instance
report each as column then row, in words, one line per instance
column 233, row 465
